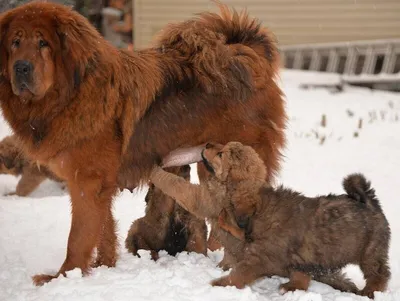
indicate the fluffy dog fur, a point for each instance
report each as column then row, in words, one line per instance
column 100, row 118
column 166, row 225
column 14, row 162
column 283, row 232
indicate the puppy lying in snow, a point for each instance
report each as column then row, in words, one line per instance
column 267, row 231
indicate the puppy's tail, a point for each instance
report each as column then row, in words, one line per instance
column 358, row 188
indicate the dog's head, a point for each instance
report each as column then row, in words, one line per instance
column 11, row 160
column 234, row 161
column 43, row 45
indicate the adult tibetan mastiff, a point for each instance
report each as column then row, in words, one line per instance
column 100, row 118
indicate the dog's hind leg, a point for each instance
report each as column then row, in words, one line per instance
column 297, row 281
column 375, row 268
column 137, row 239
column 338, row 281
column 197, row 238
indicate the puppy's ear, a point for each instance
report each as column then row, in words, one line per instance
column 236, row 153
column 8, row 162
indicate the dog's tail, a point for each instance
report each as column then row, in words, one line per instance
column 358, row 188
column 230, row 53
column 241, row 29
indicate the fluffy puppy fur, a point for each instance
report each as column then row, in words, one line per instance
column 283, row 232
column 100, row 118
column 14, row 162
column 166, row 225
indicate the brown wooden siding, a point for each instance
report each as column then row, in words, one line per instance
column 293, row 21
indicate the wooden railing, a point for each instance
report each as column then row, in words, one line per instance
column 359, row 62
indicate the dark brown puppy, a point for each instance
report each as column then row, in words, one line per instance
column 166, row 225
column 100, row 118
column 286, row 233
column 14, row 162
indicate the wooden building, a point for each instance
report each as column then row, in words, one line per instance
column 292, row 21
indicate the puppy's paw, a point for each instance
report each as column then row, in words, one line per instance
column 368, row 293
column 11, row 193
column 287, row 287
column 154, row 255
column 223, row 281
column 41, row 279
column 229, row 281
column 224, row 266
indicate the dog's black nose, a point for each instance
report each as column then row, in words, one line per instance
column 209, row 145
column 23, row 67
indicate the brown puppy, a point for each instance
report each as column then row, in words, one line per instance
column 166, row 225
column 100, row 118
column 14, row 162
column 290, row 235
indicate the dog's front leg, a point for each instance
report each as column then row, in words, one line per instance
column 242, row 274
column 92, row 223
column 91, row 174
column 246, row 271
column 192, row 197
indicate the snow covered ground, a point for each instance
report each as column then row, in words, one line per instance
column 34, row 230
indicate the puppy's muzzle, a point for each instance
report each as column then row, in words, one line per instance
column 206, row 163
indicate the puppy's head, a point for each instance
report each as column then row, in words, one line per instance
column 234, row 161
column 11, row 161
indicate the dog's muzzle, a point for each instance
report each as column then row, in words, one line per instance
column 23, row 71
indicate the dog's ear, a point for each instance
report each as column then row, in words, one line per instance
column 78, row 40
column 5, row 20
column 235, row 152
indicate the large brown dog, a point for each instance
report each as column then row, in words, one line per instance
column 100, row 118
column 14, row 162
column 283, row 232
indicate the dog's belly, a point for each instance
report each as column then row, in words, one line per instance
column 187, row 123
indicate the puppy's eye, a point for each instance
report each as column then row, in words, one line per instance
column 15, row 43
column 219, row 154
column 43, row 43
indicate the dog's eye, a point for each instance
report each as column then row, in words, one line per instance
column 219, row 154
column 43, row 43
column 15, row 43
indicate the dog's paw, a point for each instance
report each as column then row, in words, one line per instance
column 41, row 279
column 368, row 293
column 287, row 287
column 223, row 281
column 10, row 193
column 225, row 265
column 154, row 255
